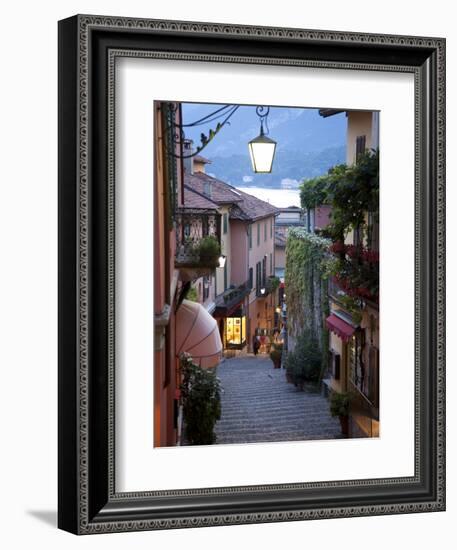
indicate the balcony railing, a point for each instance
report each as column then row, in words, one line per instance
column 341, row 288
column 231, row 298
column 358, row 272
column 198, row 238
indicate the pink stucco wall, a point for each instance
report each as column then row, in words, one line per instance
column 239, row 252
column 322, row 216
column 265, row 246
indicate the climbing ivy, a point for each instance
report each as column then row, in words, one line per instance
column 350, row 190
column 314, row 192
column 308, row 262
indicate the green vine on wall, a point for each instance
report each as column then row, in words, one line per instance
column 308, row 263
column 350, row 190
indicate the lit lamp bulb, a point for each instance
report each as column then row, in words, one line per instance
column 222, row 260
column 262, row 151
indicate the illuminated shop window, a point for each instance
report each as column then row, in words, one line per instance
column 235, row 332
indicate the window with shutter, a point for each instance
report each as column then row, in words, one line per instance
column 336, row 366
column 357, row 369
column 358, row 236
column 373, row 232
column 360, row 146
column 373, row 376
column 257, row 276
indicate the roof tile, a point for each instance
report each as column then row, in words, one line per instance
column 196, row 200
column 244, row 206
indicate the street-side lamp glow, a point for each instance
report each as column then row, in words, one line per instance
column 222, row 260
column 262, row 291
column 262, row 151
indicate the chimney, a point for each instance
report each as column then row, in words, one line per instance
column 199, row 164
column 188, row 147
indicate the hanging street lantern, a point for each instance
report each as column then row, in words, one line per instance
column 262, row 151
column 262, row 148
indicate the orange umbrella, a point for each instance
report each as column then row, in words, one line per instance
column 197, row 334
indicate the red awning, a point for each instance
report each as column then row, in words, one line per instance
column 339, row 327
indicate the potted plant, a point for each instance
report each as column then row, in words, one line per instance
column 273, row 283
column 339, row 406
column 210, row 251
column 275, row 355
column 200, row 396
column 290, row 367
column 303, row 364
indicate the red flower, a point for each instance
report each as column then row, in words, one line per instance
column 337, row 247
column 353, row 251
column 370, row 256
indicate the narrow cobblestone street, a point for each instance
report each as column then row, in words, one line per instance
column 259, row 405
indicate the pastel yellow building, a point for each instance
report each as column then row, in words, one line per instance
column 354, row 342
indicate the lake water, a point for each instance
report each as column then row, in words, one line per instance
column 281, row 198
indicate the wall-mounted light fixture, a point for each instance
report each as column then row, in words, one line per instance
column 222, row 260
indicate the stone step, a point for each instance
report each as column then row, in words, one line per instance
column 259, row 405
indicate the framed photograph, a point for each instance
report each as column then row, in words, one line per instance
column 251, row 274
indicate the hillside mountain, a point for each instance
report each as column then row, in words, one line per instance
column 289, row 168
column 307, row 144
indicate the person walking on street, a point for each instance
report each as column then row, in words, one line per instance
column 255, row 344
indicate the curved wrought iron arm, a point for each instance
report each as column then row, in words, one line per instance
column 226, row 112
column 177, row 130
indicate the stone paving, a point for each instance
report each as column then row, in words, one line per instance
column 259, row 405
